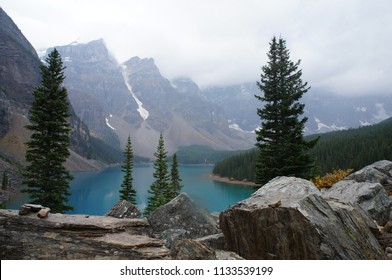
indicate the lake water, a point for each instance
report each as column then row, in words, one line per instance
column 95, row 193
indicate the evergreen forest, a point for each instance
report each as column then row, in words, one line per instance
column 348, row 149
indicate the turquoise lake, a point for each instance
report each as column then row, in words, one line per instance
column 94, row 193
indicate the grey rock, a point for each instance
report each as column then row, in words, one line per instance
column 303, row 226
column 183, row 213
column 227, row 255
column 388, row 227
column 372, row 197
column 124, row 209
column 188, row 249
column 170, row 235
column 215, row 241
column 43, row 213
column 388, row 250
column 62, row 236
column 26, row 209
column 378, row 172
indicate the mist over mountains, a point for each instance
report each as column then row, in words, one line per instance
column 325, row 111
column 133, row 98
column 116, row 100
column 112, row 100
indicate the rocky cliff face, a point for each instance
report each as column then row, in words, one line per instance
column 96, row 88
column 178, row 109
column 19, row 75
column 19, row 67
column 134, row 98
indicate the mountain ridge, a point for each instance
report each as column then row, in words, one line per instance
column 133, row 98
column 19, row 75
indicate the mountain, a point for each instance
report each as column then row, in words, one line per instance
column 346, row 149
column 19, row 75
column 325, row 111
column 133, row 98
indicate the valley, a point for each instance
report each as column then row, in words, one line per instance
column 112, row 100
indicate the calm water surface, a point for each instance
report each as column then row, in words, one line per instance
column 95, row 193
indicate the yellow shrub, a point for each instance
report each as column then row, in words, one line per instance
column 330, row 178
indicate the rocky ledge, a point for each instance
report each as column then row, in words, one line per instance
column 288, row 218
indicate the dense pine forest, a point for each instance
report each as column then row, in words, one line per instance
column 201, row 154
column 353, row 148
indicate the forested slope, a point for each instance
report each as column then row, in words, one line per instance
column 353, row 148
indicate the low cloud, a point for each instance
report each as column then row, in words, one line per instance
column 344, row 46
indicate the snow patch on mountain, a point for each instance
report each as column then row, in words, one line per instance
column 108, row 124
column 323, row 127
column 360, row 109
column 320, row 125
column 364, row 123
column 235, row 126
column 142, row 111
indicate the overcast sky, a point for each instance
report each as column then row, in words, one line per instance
column 345, row 45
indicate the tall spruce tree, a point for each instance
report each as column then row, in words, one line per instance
column 5, row 180
column 175, row 180
column 282, row 148
column 46, row 178
column 127, row 191
column 160, row 191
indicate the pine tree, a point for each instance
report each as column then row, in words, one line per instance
column 46, row 177
column 127, row 192
column 282, row 148
column 175, row 180
column 4, row 183
column 160, row 190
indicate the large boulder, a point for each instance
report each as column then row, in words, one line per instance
column 124, row 209
column 372, row 197
column 378, row 172
column 288, row 219
column 182, row 213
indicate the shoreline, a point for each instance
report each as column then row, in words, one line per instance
column 229, row 181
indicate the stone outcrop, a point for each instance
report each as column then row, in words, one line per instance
column 289, row 219
column 183, row 218
column 378, row 172
column 124, row 209
column 26, row 235
column 76, row 237
column 372, row 197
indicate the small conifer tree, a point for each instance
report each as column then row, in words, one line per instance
column 175, row 180
column 127, row 191
column 4, row 183
column 160, row 191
